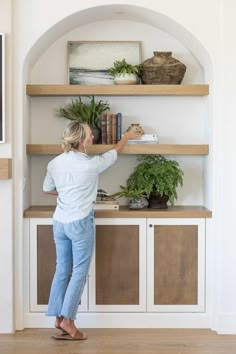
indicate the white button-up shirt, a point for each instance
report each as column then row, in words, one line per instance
column 75, row 177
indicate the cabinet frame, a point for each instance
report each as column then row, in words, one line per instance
column 200, row 306
column 33, row 305
column 141, row 307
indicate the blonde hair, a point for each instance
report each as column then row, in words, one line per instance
column 75, row 134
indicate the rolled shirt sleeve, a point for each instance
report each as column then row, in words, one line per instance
column 105, row 160
column 48, row 183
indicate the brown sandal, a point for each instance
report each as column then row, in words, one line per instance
column 77, row 336
column 63, row 332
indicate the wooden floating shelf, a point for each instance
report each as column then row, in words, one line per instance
column 117, row 90
column 5, row 168
column 178, row 211
column 45, row 149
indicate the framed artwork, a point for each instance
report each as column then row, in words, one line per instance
column 2, row 88
column 88, row 61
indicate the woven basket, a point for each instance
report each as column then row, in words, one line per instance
column 163, row 69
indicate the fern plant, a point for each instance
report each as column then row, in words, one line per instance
column 155, row 173
column 85, row 111
column 121, row 67
column 130, row 193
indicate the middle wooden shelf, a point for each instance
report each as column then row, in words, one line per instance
column 164, row 149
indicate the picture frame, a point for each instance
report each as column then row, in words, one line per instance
column 2, row 88
column 88, row 61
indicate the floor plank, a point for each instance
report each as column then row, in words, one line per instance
column 120, row 341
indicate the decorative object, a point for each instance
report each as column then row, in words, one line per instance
column 138, row 203
column 2, row 88
column 163, row 69
column 86, row 112
column 125, row 73
column 136, row 127
column 88, row 61
column 156, row 175
column 136, row 197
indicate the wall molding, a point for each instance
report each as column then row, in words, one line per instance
column 5, row 168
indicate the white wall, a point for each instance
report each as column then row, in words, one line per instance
column 6, row 187
column 226, row 190
column 212, row 23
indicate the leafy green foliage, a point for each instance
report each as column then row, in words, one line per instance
column 155, row 173
column 121, row 67
column 129, row 192
column 84, row 111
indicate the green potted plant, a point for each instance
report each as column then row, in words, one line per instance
column 86, row 111
column 157, row 178
column 125, row 73
column 136, row 197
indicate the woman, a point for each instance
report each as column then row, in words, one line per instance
column 73, row 177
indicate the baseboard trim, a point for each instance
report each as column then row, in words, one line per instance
column 124, row 320
column 226, row 323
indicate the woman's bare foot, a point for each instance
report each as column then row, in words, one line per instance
column 68, row 326
column 58, row 322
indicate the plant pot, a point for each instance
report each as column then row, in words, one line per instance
column 97, row 135
column 138, row 203
column 156, row 201
column 125, row 79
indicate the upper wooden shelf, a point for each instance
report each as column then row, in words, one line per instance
column 46, row 149
column 177, row 211
column 117, row 90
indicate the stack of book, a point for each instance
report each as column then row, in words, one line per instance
column 145, row 139
column 104, row 201
column 106, row 205
column 111, row 127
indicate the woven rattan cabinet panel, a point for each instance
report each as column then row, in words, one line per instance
column 46, row 261
column 117, row 265
column 175, row 264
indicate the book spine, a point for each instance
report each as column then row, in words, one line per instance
column 104, row 127
column 109, row 128
column 114, row 129
column 119, row 125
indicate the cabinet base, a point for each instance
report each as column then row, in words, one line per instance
column 121, row 320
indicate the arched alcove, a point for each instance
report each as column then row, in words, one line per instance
column 177, row 120
column 117, row 12
column 142, row 24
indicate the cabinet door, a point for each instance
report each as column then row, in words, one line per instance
column 117, row 279
column 176, row 265
column 42, row 265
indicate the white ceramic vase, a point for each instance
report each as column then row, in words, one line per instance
column 125, row 79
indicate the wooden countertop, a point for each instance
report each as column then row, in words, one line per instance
column 178, row 211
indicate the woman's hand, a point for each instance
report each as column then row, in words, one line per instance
column 130, row 135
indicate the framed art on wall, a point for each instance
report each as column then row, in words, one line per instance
column 2, row 88
column 88, row 61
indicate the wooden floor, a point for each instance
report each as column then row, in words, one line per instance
column 120, row 341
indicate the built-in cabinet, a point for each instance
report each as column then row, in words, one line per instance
column 139, row 265
column 145, row 261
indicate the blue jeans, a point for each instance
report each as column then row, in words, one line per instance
column 74, row 243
